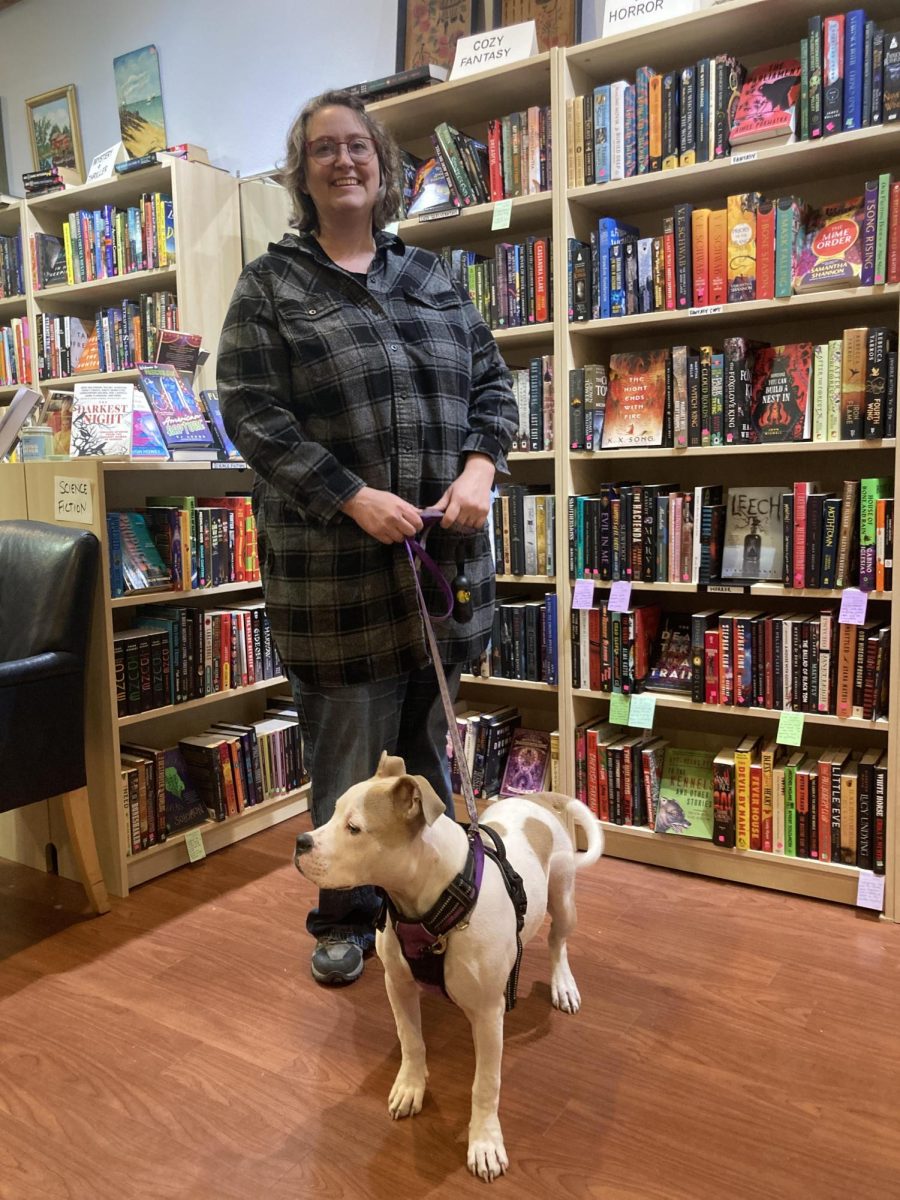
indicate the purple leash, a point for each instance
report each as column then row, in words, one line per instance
column 415, row 549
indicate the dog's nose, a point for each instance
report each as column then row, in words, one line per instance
column 304, row 844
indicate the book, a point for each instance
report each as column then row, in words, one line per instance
column 209, row 402
column 671, row 663
column 178, row 414
column 635, row 399
column 767, row 106
column 754, row 536
column 685, row 805
column 147, row 444
column 832, row 248
column 780, row 409
column 20, row 408
column 101, row 420
column 182, row 350
column 527, row 764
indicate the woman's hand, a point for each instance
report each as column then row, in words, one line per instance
column 383, row 515
column 467, row 500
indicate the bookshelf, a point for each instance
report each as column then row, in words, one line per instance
column 113, row 486
column 12, row 306
column 821, row 170
column 206, row 218
column 468, row 105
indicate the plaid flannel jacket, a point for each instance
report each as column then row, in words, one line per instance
column 326, row 385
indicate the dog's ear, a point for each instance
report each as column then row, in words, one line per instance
column 390, row 764
column 413, row 795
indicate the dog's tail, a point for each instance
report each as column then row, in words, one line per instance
column 582, row 818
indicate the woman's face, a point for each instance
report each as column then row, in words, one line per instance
column 342, row 188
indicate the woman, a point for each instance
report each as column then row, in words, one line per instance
column 362, row 388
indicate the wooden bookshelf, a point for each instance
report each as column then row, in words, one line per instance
column 830, row 168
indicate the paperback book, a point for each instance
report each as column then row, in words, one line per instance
column 780, row 410
column 101, row 420
column 686, row 794
column 178, row 414
column 636, row 399
column 528, row 763
column 832, row 248
column 767, row 107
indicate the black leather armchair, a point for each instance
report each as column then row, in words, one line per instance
column 47, row 579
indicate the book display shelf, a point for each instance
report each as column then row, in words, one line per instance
column 11, row 306
column 469, row 105
column 823, row 170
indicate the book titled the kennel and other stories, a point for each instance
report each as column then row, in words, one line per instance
column 685, row 805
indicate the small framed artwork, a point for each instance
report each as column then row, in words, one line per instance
column 53, row 129
column 558, row 21
column 428, row 30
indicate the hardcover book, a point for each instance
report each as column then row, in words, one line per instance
column 779, row 406
column 181, row 422
column 209, row 400
column 767, row 106
column 832, row 248
column 636, row 399
column 754, row 540
column 686, row 794
column 101, row 420
column 184, row 807
column 671, row 665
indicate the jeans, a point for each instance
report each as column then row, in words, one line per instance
column 344, row 731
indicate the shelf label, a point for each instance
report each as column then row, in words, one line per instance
column 438, row 214
column 104, row 163
column 744, row 156
column 618, row 708
column 502, row 215
column 229, row 466
column 620, row 596
column 193, row 843
column 73, row 500
column 642, row 711
column 853, row 607
column 496, row 48
column 870, row 891
column 584, row 594
column 724, row 589
column 790, row 729
column 709, row 311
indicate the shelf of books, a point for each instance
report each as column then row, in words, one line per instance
column 729, row 258
column 191, row 732
column 469, row 145
column 13, row 301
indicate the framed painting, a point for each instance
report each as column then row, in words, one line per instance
column 428, row 30
column 558, row 21
column 53, row 129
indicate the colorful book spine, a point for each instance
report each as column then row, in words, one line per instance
column 833, row 74
column 765, row 250
column 854, row 44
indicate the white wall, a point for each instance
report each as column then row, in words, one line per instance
column 233, row 74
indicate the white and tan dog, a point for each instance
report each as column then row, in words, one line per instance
column 391, row 831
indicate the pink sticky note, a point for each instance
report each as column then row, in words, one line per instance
column 620, row 596
column 853, row 607
column 584, row 594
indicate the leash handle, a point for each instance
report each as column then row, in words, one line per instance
column 415, row 550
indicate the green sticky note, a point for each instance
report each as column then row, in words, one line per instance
column 618, row 708
column 502, row 214
column 643, row 710
column 193, row 841
column 790, row 729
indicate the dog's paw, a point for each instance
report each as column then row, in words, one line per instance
column 487, row 1157
column 564, row 991
column 407, row 1094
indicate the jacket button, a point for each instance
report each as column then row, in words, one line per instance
column 394, row 347
column 312, row 312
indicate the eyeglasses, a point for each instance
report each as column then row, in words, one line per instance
column 325, row 149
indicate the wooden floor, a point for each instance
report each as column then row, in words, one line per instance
column 733, row 1044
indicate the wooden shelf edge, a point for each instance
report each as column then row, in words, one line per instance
column 666, row 701
column 154, row 714
column 499, row 681
column 628, row 452
column 724, row 588
column 107, row 283
column 159, row 860
column 805, row 877
column 135, row 599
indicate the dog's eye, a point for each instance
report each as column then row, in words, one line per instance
column 353, row 829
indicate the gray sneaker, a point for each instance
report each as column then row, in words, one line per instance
column 336, row 960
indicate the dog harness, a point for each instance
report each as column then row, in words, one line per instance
column 424, row 941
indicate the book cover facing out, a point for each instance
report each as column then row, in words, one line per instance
column 686, row 794
column 636, row 399
column 832, row 249
column 754, row 538
column 779, row 401
column 177, row 411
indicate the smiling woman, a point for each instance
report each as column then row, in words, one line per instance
column 363, row 388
